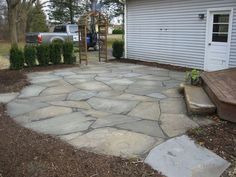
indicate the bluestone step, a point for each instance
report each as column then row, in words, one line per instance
column 197, row 101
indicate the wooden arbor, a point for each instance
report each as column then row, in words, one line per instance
column 83, row 25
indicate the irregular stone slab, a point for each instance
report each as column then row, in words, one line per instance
column 70, row 136
column 132, row 75
column 197, row 101
column 177, row 75
column 120, row 81
column 111, row 141
column 154, row 78
column 81, row 76
column 93, row 85
column 81, row 95
column 108, row 94
column 117, row 87
column 61, row 125
column 58, row 90
column 72, row 104
column 21, row 107
column 31, row 91
column 103, row 79
column 48, row 98
column 176, row 124
column 171, row 83
column 94, row 113
column 182, row 157
column 153, row 71
column 173, row 106
column 64, row 73
column 44, row 78
column 145, row 83
column 111, row 105
column 146, row 127
column 146, row 110
column 143, row 90
column 157, row 95
column 110, row 75
column 55, row 83
column 127, row 96
column 7, row 97
column 112, row 120
column 42, row 113
column 173, row 92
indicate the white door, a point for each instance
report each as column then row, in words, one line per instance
column 218, row 39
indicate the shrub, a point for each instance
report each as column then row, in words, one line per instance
column 55, row 53
column 118, row 49
column 30, row 55
column 193, row 77
column 118, row 31
column 16, row 58
column 43, row 54
column 68, row 53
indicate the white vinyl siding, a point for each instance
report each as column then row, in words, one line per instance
column 170, row 32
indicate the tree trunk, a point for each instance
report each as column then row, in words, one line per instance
column 12, row 25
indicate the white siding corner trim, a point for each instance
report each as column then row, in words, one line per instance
column 170, row 32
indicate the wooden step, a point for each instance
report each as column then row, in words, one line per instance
column 197, row 101
column 221, row 88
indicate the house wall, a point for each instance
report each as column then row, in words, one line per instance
column 170, row 32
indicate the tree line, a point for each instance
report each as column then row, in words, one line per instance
column 18, row 17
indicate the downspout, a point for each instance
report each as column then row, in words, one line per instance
column 125, row 28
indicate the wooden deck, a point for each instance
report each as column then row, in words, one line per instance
column 221, row 88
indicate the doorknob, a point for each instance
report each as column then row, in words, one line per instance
column 209, row 44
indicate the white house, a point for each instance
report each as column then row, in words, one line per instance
column 190, row 33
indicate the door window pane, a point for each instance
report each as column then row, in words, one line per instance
column 220, row 28
column 221, row 18
column 219, row 37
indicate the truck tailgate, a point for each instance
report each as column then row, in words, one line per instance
column 31, row 38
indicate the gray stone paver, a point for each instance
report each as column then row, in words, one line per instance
column 112, row 105
column 147, row 127
column 61, row 125
column 7, row 97
column 112, row 141
column 112, row 108
column 146, row 110
column 113, row 120
column 42, row 113
column 30, row 91
column 181, row 157
column 176, row 124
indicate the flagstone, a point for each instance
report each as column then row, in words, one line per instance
column 112, row 105
column 116, row 142
column 146, row 110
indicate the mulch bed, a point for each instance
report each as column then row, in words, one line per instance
column 152, row 64
column 221, row 139
column 15, row 80
column 24, row 153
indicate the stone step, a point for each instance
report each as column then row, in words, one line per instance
column 197, row 101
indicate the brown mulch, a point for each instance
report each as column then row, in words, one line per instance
column 24, row 153
column 221, row 139
column 15, row 80
column 152, row 64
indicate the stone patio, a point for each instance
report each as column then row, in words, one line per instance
column 111, row 108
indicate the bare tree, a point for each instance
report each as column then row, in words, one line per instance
column 12, row 19
column 17, row 14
